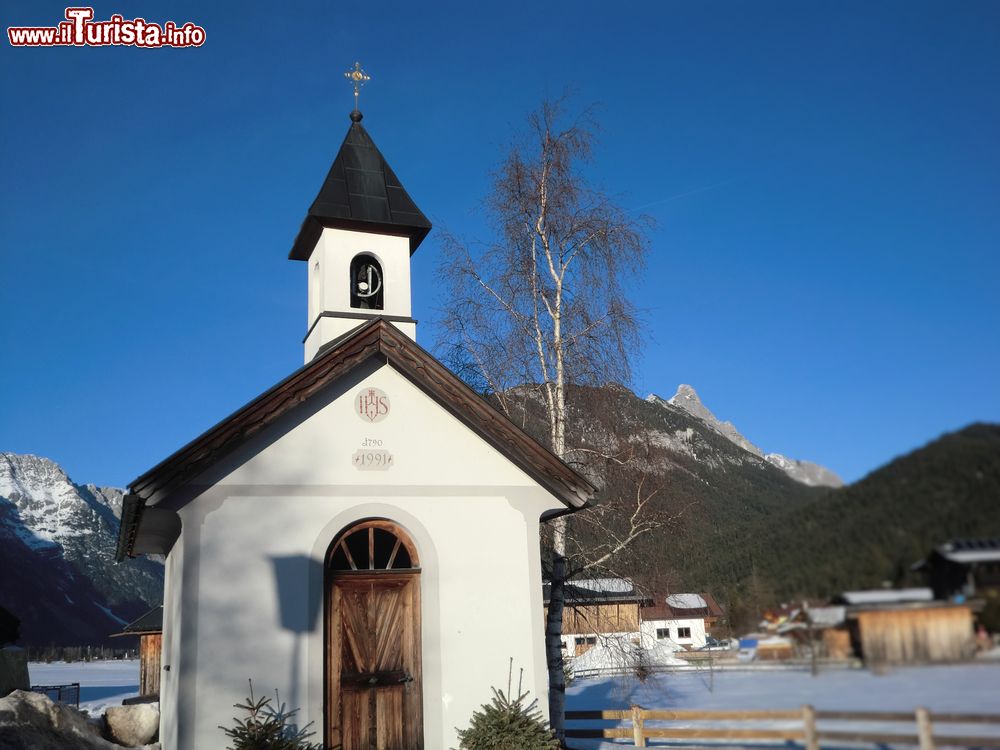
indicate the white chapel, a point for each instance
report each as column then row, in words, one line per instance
column 363, row 536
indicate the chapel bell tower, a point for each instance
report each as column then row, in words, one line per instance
column 357, row 240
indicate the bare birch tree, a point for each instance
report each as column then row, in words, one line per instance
column 546, row 305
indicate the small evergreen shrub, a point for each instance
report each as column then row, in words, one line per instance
column 266, row 727
column 569, row 674
column 508, row 723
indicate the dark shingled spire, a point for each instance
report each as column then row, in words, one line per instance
column 361, row 192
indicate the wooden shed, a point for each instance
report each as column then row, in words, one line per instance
column 837, row 643
column 910, row 633
column 149, row 629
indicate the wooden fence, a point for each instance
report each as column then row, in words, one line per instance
column 802, row 727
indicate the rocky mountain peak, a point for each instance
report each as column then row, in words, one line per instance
column 686, row 398
column 43, row 497
column 63, row 535
column 18, row 470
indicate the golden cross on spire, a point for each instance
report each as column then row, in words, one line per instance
column 358, row 78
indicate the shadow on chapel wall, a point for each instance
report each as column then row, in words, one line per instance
column 298, row 585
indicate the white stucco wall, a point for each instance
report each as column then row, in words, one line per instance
column 696, row 639
column 244, row 593
column 172, row 627
column 329, row 282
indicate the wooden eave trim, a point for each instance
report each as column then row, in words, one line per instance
column 136, row 633
column 375, row 338
column 128, row 525
column 237, row 428
column 448, row 390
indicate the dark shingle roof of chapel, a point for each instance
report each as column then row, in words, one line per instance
column 361, row 192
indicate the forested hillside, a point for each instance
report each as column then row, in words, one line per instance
column 712, row 489
column 874, row 530
column 747, row 532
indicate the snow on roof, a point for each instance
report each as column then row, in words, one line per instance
column 683, row 607
column 887, row 596
column 596, row 591
column 604, row 585
column 971, row 557
column 686, row 601
column 971, row 550
column 827, row 617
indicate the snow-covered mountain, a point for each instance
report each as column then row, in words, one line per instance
column 57, row 540
column 805, row 472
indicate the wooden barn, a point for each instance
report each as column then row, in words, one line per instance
column 685, row 619
column 908, row 627
column 149, row 629
column 598, row 606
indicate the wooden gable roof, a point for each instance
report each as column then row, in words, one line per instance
column 150, row 622
column 375, row 338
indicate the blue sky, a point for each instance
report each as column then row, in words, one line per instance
column 825, row 179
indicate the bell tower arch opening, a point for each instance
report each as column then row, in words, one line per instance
column 367, row 283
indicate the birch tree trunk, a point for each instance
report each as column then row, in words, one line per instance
column 548, row 304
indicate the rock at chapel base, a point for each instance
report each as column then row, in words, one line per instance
column 134, row 725
column 13, row 670
column 32, row 721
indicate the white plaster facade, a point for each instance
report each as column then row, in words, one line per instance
column 244, row 582
column 329, row 283
column 695, row 626
column 247, row 512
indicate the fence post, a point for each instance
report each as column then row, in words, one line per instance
column 809, row 725
column 638, row 724
column 925, row 729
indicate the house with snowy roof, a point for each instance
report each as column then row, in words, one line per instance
column 963, row 567
column 598, row 607
column 352, row 536
column 685, row 619
column 615, row 608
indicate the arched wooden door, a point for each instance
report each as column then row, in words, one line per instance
column 373, row 640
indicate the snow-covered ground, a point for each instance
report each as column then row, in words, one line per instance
column 968, row 688
column 102, row 683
